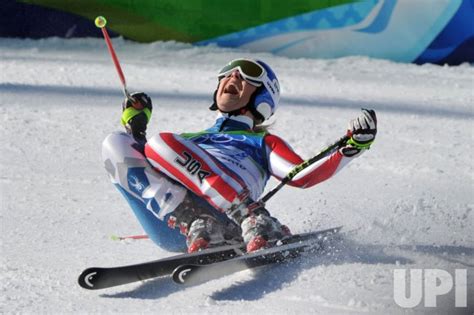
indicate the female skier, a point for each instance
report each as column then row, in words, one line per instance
column 206, row 184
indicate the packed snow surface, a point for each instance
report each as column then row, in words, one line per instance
column 405, row 204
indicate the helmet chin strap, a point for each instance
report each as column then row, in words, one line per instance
column 237, row 112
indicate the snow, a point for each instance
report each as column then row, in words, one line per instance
column 407, row 203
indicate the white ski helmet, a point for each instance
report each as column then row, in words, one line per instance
column 264, row 100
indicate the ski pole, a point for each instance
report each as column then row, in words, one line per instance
column 129, row 237
column 100, row 22
column 298, row 168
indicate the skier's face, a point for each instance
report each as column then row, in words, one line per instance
column 233, row 92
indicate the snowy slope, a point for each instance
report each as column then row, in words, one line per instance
column 407, row 203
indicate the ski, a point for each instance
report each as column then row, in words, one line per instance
column 99, row 278
column 191, row 274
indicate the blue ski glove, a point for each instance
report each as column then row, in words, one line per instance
column 362, row 131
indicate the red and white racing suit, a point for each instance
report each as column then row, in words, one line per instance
column 228, row 162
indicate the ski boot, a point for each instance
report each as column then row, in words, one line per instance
column 259, row 228
column 200, row 226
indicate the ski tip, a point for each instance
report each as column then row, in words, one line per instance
column 88, row 278
column 183, row 273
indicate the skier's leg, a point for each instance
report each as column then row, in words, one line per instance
column 159, row 202
column 190, row 165
column 185, row 162
column 150, row 195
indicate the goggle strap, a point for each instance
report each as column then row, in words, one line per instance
column 269, row 88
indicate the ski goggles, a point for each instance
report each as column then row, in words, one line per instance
column 251, row 71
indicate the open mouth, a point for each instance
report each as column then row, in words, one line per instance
column 231, row 89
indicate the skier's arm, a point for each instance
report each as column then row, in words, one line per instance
column 282, row 159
